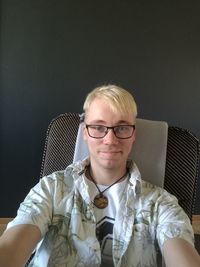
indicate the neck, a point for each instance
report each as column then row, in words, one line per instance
column 105, row 177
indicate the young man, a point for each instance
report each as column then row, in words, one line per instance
column 99, row 212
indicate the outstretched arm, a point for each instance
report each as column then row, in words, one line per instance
column 180, row 253
column 17, row 244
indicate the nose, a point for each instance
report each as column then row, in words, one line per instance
column 110, row 137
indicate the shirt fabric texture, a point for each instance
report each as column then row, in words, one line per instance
column 60, row 205
column 105, row 218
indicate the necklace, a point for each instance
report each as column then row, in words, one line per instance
column 101, row 201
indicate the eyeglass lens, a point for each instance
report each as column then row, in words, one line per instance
column 120, row 131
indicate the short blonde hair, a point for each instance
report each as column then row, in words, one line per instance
column 119, row 99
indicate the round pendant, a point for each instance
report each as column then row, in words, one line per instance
column 101, row 201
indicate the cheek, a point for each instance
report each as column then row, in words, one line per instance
column 129, row 145
column 91, row 142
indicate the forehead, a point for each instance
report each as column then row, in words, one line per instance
column 100, row 111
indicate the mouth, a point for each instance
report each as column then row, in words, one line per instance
column 110, row 153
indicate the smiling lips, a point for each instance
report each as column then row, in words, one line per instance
column 109, row 152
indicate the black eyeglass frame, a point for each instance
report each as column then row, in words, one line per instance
column 107, row 128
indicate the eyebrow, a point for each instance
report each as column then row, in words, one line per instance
column 102, row 122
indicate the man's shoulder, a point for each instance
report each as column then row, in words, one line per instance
column 157, row 195
column 148, row 189
column 54, row 176
column 58, row 177
column 71, row 173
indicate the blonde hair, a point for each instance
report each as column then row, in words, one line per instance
column 119, row 99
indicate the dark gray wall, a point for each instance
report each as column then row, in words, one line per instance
column 53, row 52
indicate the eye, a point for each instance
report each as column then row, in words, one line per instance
column 121, row 128
column 99, row 128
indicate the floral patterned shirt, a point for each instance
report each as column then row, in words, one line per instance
column 61, row 207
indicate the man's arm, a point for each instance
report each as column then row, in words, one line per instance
column 17, row 244
column 180, row 253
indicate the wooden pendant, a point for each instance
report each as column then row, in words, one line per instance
column 101, row 201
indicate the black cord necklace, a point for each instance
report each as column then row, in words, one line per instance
column 101, row 201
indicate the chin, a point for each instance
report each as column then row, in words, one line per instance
column 110, row 163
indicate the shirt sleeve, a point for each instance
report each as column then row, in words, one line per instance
column 36, row 209
column 172, row 221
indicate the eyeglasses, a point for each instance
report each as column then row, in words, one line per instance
column 120, row 131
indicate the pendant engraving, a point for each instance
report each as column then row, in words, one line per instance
column 101, row 201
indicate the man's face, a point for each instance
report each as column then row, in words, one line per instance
column 108, row 152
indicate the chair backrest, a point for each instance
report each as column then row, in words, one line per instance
column 179, row 157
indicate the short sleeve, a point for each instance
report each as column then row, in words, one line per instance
column 36, row 209
column 172, row 221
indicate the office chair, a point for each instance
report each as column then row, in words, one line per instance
column 177, row 159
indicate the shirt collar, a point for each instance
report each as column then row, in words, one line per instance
column 77, row 169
